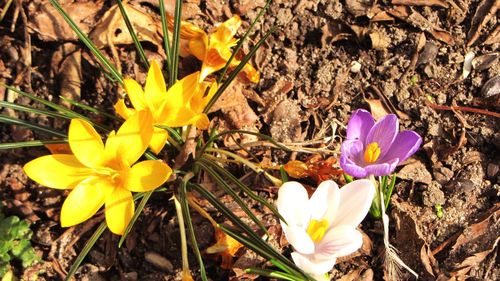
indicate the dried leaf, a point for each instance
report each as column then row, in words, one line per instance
column 417, row 20
column 359, row 8
column 484, row 12
column 485, row 61
column 494, row 37
column 377, row 108
column 49, row 25
column 111, row 28
column 437, row 3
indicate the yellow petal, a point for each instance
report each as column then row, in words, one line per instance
column 85, row 200
column 188, row 30
column 155, row 89
column 122, row 109
column 198, row 46
column 119, row 210
column 147, row 175
column 85, row 143
column 135, row 94
column 251, row 73
column 61, row 171
column 132, row 138
column 226, row 31
column 175, row 112
column 158, row 140
column 202, row 122
column 213, row 62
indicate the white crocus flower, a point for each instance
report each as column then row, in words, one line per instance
column 323, row 227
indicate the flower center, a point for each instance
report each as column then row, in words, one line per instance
column 317, row 229
column 372, row 152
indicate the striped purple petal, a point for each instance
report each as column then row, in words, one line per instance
column 359, row 125
column 384, row 132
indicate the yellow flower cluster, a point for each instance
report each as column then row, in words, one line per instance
column 106, row 174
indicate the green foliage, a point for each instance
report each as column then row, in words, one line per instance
column 15, row 236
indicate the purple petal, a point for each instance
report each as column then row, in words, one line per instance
column 404, row 146
column 353, row 150
column 382, row 169
column 384, row 132
column 351, row 168
column 359, row 125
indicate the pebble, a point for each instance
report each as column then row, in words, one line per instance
column 159, row 261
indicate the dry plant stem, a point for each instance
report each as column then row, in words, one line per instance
column 251, row 165
column 182, row 231
column 392, row 262
column 462, row 108
column 192, row 202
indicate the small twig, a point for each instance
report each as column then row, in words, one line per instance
column 461, row 108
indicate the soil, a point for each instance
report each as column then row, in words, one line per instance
column 325, row 59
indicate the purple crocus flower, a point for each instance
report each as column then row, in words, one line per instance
column 375, row 148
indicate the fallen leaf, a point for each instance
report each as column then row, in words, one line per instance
column 437, row 3
column 494, row 37
column 112, row 30
column 417, row 20
column 49, row 25
column 485, row 61
column 484, row 12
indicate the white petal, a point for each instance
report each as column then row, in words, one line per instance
column 339, row 241
column 355, row 201
column 314, row 267
column 299, row 239
column 324, row 203
column 292, row 204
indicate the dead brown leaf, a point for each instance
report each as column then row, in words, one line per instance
column 49, row 25
column 111, row 29
column 414, row 18
column 484, row 12
column 437, row 3
column 359, row 8
column 494, row 37
column 66, row 66
column 409, row 239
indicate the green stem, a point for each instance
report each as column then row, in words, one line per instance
column 376, row 208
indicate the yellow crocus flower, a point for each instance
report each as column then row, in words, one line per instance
column 214, row 50
column 181, row 105
column 102, row 174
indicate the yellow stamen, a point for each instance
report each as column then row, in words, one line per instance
column 372, row 152
column 317, row 229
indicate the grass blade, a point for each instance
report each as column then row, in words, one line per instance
column 263, row 252
column 185, row 210
column 137, row 213
column 233, row 194
column 243, row 187
column 36, row 127
column 237, row 70
column 30, row 143
column 175, row 43
column 86, row 249
column 18, row 107
column 272, row 274
column 70, row 113
column 242, row 39
column 252, row 236
column 228, row 132
column 91, row 109
column 166, row 40
column 84, row 38
column 130, row 28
